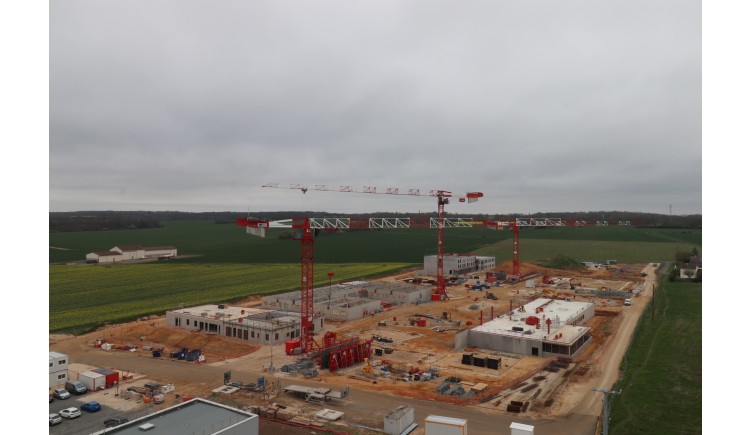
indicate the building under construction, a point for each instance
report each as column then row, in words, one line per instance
column 543, row 327
column 458, row 264
column 255, row 325
column 352, row 300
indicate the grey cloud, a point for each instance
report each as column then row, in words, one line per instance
column 195, row 104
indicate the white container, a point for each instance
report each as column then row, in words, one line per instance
column 92, row 380
column 396, row 421
column 437, row 425
column 521, row 429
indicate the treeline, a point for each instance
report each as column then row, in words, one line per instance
column 117, row 220
column 101, row 221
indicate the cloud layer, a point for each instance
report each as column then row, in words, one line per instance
column 543, row 105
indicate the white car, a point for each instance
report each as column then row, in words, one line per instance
column 54, row 419
column 61, row 393
column 70, row 413
column 627, row 302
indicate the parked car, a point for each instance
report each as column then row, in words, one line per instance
column 627, row 302
column 75, row 387
column 115, row 421
column 70, row 413
column 61, row 393
column 54, row 419
column 91, row 407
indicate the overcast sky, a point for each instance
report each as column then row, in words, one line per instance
column 541, row 105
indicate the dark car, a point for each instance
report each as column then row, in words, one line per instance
column 115, row 421
column 91, row 407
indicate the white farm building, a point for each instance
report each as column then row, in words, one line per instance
column 125, row 253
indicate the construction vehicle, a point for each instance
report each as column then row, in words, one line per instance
column 367, row 369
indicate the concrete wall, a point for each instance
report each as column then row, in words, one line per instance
column 353, row 310
column 518, row 345
column 462, row 341
column 252, row 330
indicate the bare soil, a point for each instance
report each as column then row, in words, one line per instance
column 413, row 347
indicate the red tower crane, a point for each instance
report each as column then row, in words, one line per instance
column 442, row 200
column 518, row 223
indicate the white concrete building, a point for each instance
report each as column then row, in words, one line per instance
column 58, row 369
column 256, row 325
column 543, row 327
column 458, row 264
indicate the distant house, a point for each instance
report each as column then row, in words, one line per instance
column 690, row 269
column 135, row 252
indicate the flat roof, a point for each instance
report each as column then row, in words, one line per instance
column 256, row 317
column 558, row 311
column 445, row 420
column 195, row 416
column 227, row 313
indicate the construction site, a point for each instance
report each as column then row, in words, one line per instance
column 523, row 341
column 475, row 348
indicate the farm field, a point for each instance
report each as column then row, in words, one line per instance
column 661, row 387
column 227, row 243
column 222, row 263
column 82, row 297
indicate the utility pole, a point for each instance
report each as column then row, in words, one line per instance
column 607, row 392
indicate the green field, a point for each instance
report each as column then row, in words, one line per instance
column 661, row 387
column 82, row 297
column 598, row 244
column 224, row 264
column 228, row 243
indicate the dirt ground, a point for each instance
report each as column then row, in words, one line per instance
column 518, row 378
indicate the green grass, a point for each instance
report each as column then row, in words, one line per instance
column 225, row 264
column 82, row 297
column 537, row 250
column 228, row 243
column 661, row 387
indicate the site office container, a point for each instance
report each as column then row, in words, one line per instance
column 396, row 422
column 437, row 425
column 92, row 380
column 111, row 377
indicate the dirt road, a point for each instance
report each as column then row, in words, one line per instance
column 609, row 366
